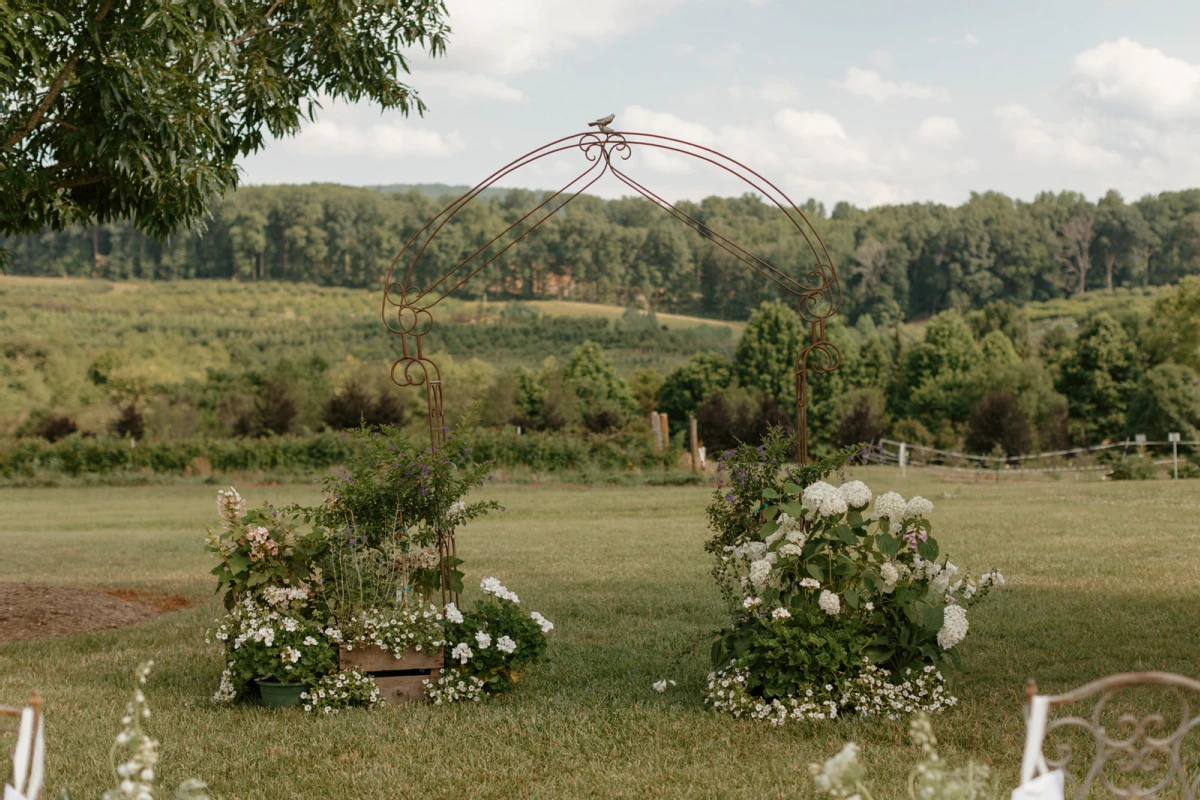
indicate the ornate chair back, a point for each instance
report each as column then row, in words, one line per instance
column 1139, row 739
column 29, row 753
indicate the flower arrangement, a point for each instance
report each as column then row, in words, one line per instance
column 492, row 644
column 835, row 607
column 266, row 642
column 842, row 776
column 418, row 628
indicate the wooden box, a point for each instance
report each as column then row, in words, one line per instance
column 400, row 680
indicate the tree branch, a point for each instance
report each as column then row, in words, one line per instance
column 256, row 31
column 83, row 180
column 55, row 88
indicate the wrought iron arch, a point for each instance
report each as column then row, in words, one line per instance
column 406, row 308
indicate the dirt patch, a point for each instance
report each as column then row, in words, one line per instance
column 30, row 611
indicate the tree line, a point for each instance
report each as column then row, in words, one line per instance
column 896, row 263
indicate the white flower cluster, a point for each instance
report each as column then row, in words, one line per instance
column 453, row 687
column 954, row 627
column 505, row 644
column 342, row 690
column 226, row 693
column 830, row 603
column 452, row 614
column 545, row 624
column 872, row 692
column 825, row 500
column 917, row 508
column 493, row 586
column 230, row 507
column 483, row 640
column 890, row 573
column 856, row 494
column 726, row 692
column 781, row 613
column 890, row 506
column 463, row 652
column 456, row 510
column 283, row 597
column 395, row 633
column 839, row 776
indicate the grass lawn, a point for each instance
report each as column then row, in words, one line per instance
column 1102, row 577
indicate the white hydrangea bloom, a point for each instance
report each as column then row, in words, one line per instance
column 890, row 505
column 505, row 644
column 918, row 507
column 832, row 506
column 814, row 495
column 753, row 551
column 890, row 575
column 759, row 572
column 452, row 614
column 797, row 537
column 774, row 537
column 830, row 603
column 781, row 613
column 954, row 627
column 790, row 549
column 856, row 494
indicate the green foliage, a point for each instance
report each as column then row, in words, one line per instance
column 1006, row 318
column 272, row 643
column 1098, row 377
column 496, row 618
column 1133, row 468
column 1167, row 400
column 766, row 354
column 686, row 387
column 106, row 120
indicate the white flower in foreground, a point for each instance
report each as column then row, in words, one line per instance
column 814, row 495
column 830, row 603
column 890, row 505
column 791, row 549
column 840, row 774
column 494, row 587
column 455, row 509
column 856, row 494
column 991, row 579
column 869, row 606
column 483, row 640
column 453, row 614
column 918, row 507
column 781, row 613
column 751, row 603
column 954, row 627
column 832, row 506
column 759, row 572
column 505, row 644
column 462, row 652
column 810, row 583
column 661, row 686
column 545, row 624
column 890, row 575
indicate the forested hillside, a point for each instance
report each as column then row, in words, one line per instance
column 896, row 262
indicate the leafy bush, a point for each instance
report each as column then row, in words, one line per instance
column 496, row 641
column 998, row 421
column 1133, row 468
column 832, row 610
column 54, row 427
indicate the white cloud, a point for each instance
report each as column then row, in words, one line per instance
column 685, row 49
column 869, row 83
column 1073, row 144
column 1128, row 78
column 778, row 90
column 939, row 131
column 466, row 86
column 384, row 141
column 970, row 39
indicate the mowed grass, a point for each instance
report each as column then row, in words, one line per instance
column 1102, row 578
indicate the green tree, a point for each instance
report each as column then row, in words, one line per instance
column 1174, row 332
column 688, row 385
column 1167, row 401
column 596, row 380
column 766, row 354
column 1098, row 376
column 1003, row 316
column 140, row 110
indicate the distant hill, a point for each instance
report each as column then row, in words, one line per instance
column 438, row 190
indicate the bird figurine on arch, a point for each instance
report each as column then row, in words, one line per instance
column 603, row 123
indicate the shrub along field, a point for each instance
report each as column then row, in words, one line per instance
column 1102, row 578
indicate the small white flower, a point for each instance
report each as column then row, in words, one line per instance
column 751, row 603
column 759, row 572
column 453, row 614
column 462, row 652
column 505, row 644
column 483, row 640
column 781, row 613
column 810, row 583
column 546, row 625
column 310, row 641
column 954, row 627
column 661, row 686
column 869, row 606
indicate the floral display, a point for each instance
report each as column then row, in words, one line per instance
column 840, row 601
column 306, row 586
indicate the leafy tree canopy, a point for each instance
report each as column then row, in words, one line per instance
column 138, row 109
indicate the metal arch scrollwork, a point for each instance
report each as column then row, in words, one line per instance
column 406, row 309
column 1136, row 746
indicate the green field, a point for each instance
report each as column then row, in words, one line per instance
column 1102, row 578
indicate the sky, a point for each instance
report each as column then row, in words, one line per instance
column 843, row 100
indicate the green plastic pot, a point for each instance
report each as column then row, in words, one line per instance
column 280, row 695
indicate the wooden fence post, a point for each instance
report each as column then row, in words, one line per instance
column 695, row 445
column 656, row 429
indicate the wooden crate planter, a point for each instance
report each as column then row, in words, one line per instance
column 400, row 680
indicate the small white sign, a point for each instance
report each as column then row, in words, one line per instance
column 1172, row 437
column 1140, row 438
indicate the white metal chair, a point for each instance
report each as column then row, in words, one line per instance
column 29, row 754
column 1123, row 751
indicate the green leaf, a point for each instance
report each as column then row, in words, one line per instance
column 932, row 618
column 768, row 528
column 791, row 488
column 844, row 533
column 851, row 597
column 770, row 493
column 815, row 570
column 888, row 545
column 928, row 549
column 878, row 655
column 793, row 510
